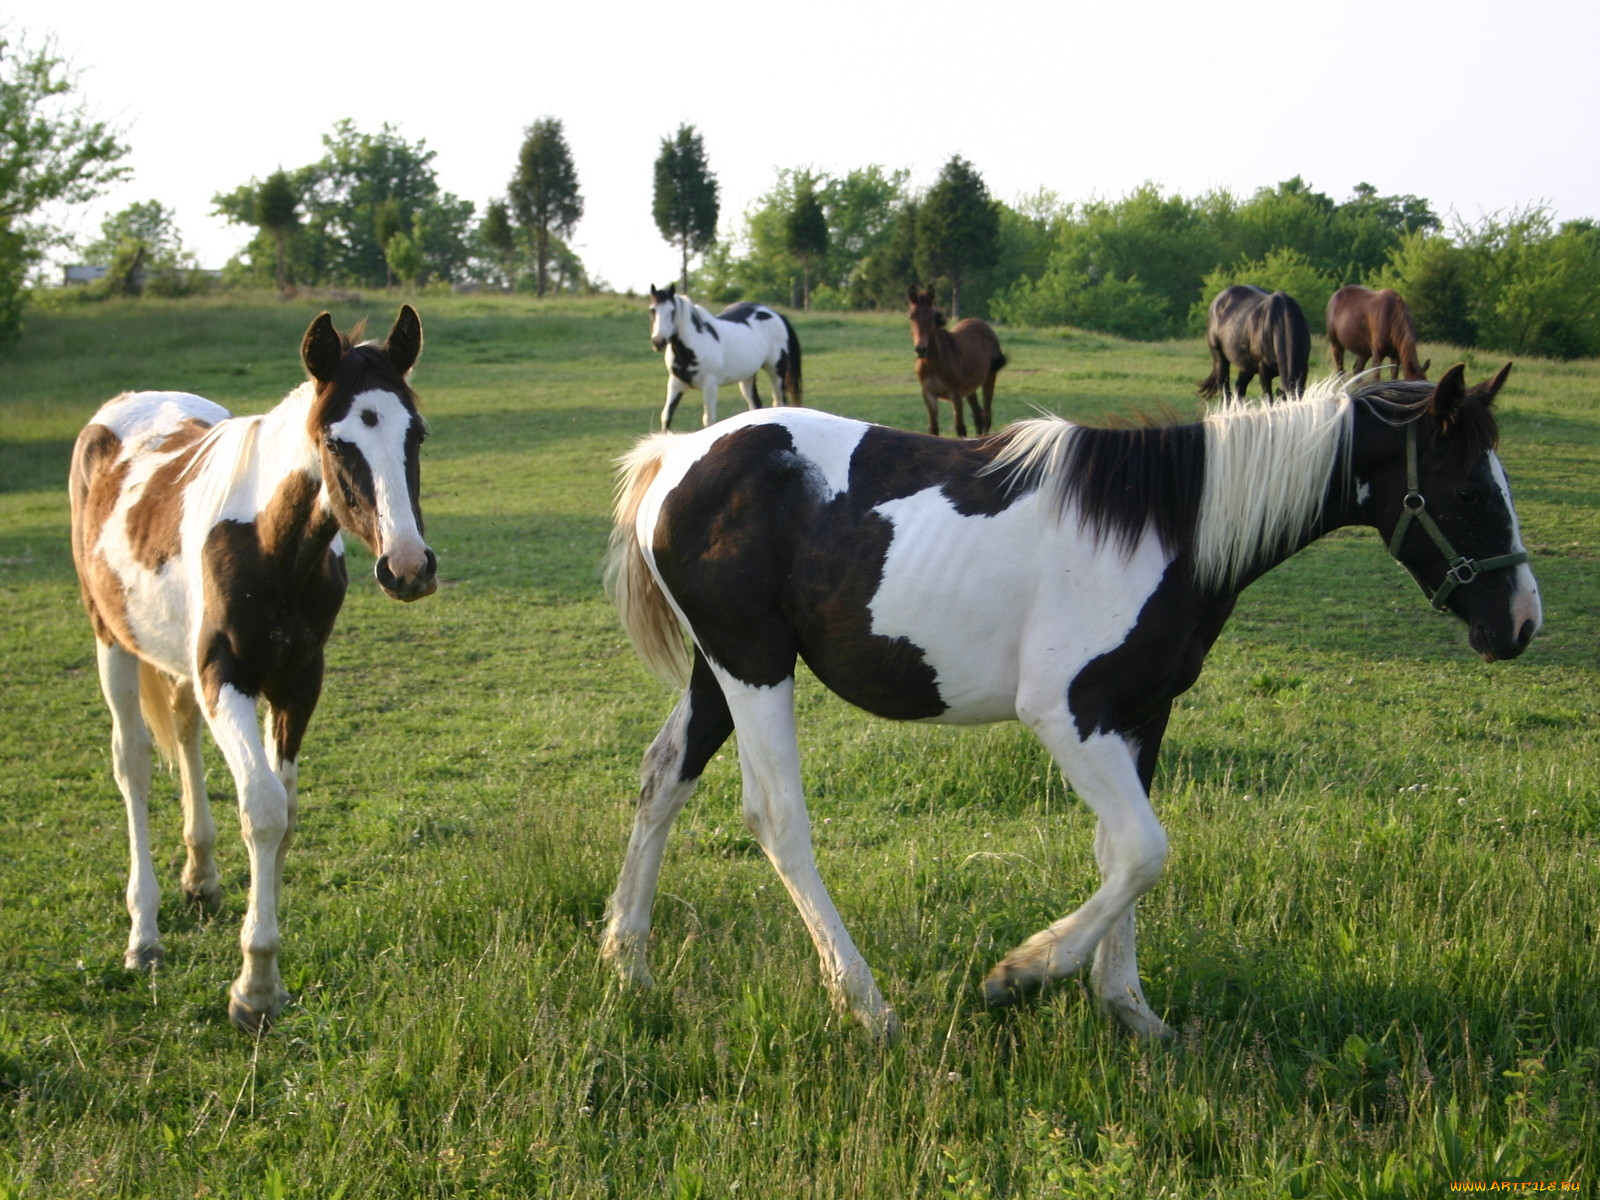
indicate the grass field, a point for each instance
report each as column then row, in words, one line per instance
column 1376, row 933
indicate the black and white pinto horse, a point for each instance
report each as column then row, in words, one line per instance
column 210, row 560
column 704, row 352
column 1069, row 577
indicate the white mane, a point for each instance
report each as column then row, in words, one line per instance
column 1267, row 468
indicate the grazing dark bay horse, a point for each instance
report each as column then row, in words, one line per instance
column 1070, row 577
column 703, row 351
column 1260, row 332
column 954, row 362
column 1375, row 325
column 210, row 559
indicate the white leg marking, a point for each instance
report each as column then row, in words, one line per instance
column 709, row 390
column 661, row 796
column 131, row 750
column 257, row 994
column 199, row 876
column 775, row 812
column 1130, row 844
column 1115, row 973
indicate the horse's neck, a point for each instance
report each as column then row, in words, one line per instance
column 276, row 474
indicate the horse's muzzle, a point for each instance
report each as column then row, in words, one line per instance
column 409, row 587
column 921, row 349
column 659, row 343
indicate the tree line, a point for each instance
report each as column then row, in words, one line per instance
column 371, row 213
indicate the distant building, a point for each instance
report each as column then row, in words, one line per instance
column 82, row 274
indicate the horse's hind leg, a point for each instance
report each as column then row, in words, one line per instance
column 986, row 420
column 131, row 750
column 979, row 425
column 775, row 811
column 932, row 403
column 697, row 728
column 1131, row 847
column 961, row 422
column 199, row 876
column 708, row 389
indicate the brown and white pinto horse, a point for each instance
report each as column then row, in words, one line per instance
column 210, row 560
column 1070, row 577
column 954, row 362
column 1375, row 325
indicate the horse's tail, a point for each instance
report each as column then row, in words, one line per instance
column 169, row 710
column 1212, row 383
column 646, row 614
column 999, row 360
column 791, row 364
column 1291, row 346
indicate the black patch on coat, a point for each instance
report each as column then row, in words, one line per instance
column 767, row 564
column 710, row 722
column 684, row 361
column 1126, row 689
column 741, row 313
column 703, row 326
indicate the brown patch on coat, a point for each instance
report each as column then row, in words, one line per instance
column 154, row 519
column 273, row 588
column 94, row 484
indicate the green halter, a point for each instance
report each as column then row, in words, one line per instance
column 1459, row 569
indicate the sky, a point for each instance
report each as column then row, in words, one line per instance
column 1476, row 106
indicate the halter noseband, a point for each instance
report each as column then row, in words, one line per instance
column 1459, row 569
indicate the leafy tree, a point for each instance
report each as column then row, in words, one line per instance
column 958, row 229
column 1437, row 279
column 544, row 191
column 144, row 251
column 499, row 240
column 805, row 234
column 686, row 204
column 51, row 150
column 366, row 188
column 276, row 212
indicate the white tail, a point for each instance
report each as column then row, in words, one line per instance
column 159, row 703
column 651, row 623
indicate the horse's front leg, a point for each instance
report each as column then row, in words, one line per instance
column 257, row 995
column 131, row 752
column 747, row 389
column 1267, row 379
column 775, row 812
column 675, row 390
column 955, row 407
column 1131, row 847
column 979, row 425
column 708, row 389
column 1245, row 376
column 931, row 402
column 697, row 728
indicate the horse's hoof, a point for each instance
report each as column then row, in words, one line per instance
column 247, row 1018
column 209, row 899
column 1005, row 986
column 144, row 958
column 1137, row 1019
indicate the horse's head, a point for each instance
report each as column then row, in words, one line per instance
column 663, row 315
column 1440, row 497
column 369, row 435
column 924, row 318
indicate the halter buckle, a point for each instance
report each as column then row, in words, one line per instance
column 1463, row 570
column 1414, row 502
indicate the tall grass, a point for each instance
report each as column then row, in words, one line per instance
column 1376, row 932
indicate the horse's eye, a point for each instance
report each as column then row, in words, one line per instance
column 335, row 448
column 1471, row 497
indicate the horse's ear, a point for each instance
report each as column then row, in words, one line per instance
column 321, row 349
column 1447, row 396
column 1426, row 363
column 672, row 290
column 911, row 292
column 1486, row 391
column 404, row 343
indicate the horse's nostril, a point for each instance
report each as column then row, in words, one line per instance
column 1525, row 634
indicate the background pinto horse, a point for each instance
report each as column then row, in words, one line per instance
column 1259, row 332
column 209, row 556
column 703, row 351
column 955, row 362
column 1375, row 325
column 1069, row 577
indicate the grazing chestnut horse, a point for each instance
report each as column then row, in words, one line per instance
column 954, row 362
column 210, row 560
column 1257, row 331
column 1375, row 325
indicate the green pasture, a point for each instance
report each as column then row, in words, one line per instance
column 1376, row 934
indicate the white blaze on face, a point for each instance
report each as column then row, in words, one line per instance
column 661, row 314
column 377, row 425
column 1525, row 603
